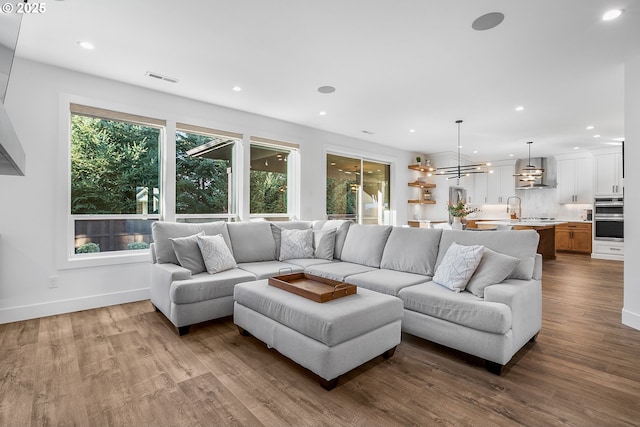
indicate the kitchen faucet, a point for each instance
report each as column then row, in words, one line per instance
column 516, row 212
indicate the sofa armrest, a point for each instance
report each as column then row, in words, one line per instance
column 162, row 275
column 524, row 297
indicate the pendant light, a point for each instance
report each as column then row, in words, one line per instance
column 530, row 172
column 460, row 171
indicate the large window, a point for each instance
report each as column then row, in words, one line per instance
column 270, row 179
column 357, row 189
column 115, row 179
column 204, row 173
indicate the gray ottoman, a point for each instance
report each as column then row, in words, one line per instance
column 328, row 338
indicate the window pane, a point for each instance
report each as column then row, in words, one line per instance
column 268, row 180
column 203, row 173
column 375, row 192
column 343, row 179
column 114, row 167
column 104, row 235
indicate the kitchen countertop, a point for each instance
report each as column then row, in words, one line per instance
column 522, row 223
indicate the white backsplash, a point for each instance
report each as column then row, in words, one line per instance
column 540, row 203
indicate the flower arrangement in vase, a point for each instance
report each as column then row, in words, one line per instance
column 458, row 211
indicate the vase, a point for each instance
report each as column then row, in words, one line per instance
column 457, row 223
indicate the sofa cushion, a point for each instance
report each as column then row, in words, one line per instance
column 521, row 244
column 162, row 231
column 386, row 281
column 337, row 270
column 457, row 266
column 331, row 322
column 205, row 286
column 342, row 228
column 265, row 269
column 188, row 253
column 296, row 244
column 462, row 308
column 216, row 254
column 324, row 243
column 307, row 262
column 365, row 243
column 413, row 250
column 252, row 241
column 493, row 268
column 277, row 227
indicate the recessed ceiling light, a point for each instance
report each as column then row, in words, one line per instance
column 510, row 155
column 612, row 14
column 86, row 45
column 236, row 88
column 412, row 130
column 326, row 89
column 589, row 127
column 332, row 163
column 487, row 21
column 519, row 108
column 475, row 151
column 596, row 136
column 323, row 113
column 576, row 148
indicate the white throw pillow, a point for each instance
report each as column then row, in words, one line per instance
column 494, row 268
column 324, row 242
column 296, row 244
column 188, row 253
column 458, row 266
column 217, row 255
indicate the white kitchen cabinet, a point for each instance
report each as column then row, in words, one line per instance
column 608, row 250
column 575, row 180
column 477, row 193
column 500, row 184
column 609, row 173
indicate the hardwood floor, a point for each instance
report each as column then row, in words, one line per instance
column 126, row 366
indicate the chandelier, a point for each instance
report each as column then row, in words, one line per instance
column 459, row 171
column 530, row 172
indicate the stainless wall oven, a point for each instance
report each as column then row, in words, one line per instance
column 608, row 218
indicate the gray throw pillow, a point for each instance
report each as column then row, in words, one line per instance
column 296, row 244
column 217, row 255
column 324, row 242
column 188, row 252
column 458, row 266
column 494, row 268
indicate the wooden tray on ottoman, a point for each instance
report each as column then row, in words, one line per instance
column 318, row 289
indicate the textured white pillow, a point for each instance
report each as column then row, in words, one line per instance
column 324, row 242
column 296, row 244
column 217, row 255
column 494, row 268
column 188, row 253
column 458, row 266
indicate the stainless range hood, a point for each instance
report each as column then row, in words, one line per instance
column 548, row 179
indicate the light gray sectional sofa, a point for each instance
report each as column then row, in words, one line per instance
column 497, row 314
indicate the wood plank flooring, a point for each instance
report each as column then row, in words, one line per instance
column 126, row 366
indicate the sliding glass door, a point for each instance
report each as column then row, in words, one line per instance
column 357, row 189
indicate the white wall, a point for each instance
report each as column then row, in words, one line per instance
column 631, row 308
column 29, row 245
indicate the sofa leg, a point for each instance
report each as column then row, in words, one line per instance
column 389, row 353
column 534, row 338
column 328, row 384
column 183, row 330
column 493, row 367
column 243, row 331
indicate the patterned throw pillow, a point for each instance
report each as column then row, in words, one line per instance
column 217, row 255
column 457, row 266
column 296, row 244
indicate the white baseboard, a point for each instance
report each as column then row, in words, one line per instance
column 34, row 311
column 631, row 319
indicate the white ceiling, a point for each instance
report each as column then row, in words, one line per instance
column 396, row 65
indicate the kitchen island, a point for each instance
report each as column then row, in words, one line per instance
column 545, row 229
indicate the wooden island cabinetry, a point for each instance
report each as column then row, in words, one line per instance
column 574, row 237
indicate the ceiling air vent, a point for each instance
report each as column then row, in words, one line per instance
column 161, row 77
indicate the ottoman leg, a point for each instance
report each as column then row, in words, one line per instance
column 243, row 332
column 328, row 384
column 387, row 354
